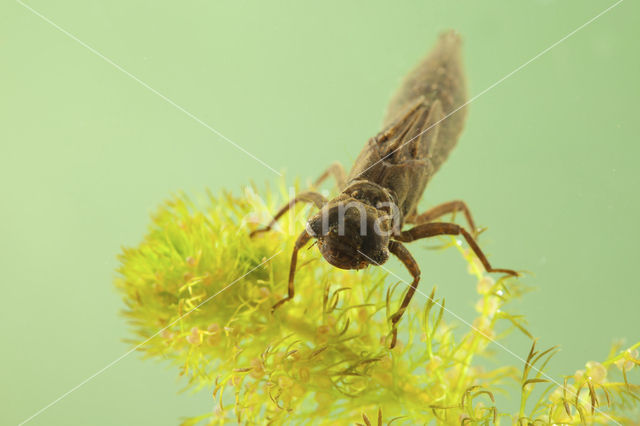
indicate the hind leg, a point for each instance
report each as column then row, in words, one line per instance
column 427, row 230
column 451, row 207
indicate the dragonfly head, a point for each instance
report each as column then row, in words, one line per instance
column 349, row 234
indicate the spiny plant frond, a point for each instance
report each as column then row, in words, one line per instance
column 207, row 288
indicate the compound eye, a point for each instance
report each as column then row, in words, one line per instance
column 314, row 227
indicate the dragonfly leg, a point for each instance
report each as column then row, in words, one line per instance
column 410, row 263
column 433, row 229
column 337, row 171
column 300, row 242
column 306, row 197
column 442, row 209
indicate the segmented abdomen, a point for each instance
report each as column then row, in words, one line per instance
column 438, row 77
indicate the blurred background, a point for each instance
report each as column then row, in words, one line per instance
column 548, row 162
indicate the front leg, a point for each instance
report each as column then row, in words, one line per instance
column 303, row 238
column 410, row 263
column 442, row 228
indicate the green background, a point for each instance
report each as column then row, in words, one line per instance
column 548, row 161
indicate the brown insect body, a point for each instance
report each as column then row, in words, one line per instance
column 392, row 167
column 433, row 90
column 363, row 224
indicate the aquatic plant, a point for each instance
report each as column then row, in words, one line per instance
column 198, row 292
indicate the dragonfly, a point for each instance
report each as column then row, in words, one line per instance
column 368, row 220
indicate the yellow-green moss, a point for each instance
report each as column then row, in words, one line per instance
column 324, row 357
